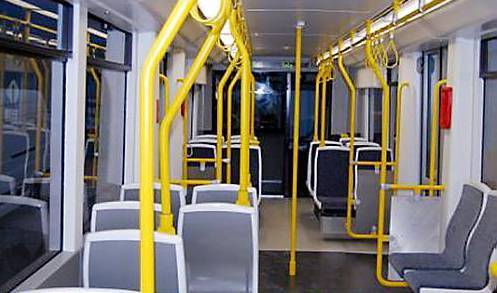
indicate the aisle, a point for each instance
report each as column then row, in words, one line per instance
column 274, row 233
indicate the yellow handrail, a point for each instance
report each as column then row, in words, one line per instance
column 220, row 110
column 147, row 105
column 400, row 91
column 229, row 105
column 493, row 269
column 184, row 167
column 296, row 133
column 350, row 194
column 383, row 167
column 243, row 197
column 315, row 136
column 165, row 83
column 434, row 133
column 166, row 224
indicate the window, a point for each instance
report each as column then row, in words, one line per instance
column 32, row 74
column 375, row 103
column 489, row 146
column 108, row 48
column 40, row 23
column 434, row 70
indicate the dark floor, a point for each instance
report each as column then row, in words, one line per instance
column 320, row 272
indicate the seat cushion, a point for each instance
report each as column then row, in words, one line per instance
column 402, row 262
column 447, row 279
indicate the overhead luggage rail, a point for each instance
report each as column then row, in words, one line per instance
column 167, row 34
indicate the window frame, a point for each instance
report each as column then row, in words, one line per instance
column 426, row 108
column 485, row 75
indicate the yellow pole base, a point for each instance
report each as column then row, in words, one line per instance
column 292, row 268
column 493, row 269
column 243, row 198
column 166, row 224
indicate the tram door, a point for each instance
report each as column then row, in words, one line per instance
column 270, row 123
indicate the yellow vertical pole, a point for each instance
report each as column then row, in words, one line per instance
column 98, row 95
column 434, row 133
column 383, row 166
column 398, row 119
column 184, row 169
column 296, row 133
column 220, row 110
column 147, row 105
column 229, row 106
column 353, row 104
column 323, row 106
column 243, row 198
column 166, row 218
column 39, row 112
column 315, row 136
column 252, row 109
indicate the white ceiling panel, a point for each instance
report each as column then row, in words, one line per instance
column 272, row 22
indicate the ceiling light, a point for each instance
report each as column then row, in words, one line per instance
column 209, row 8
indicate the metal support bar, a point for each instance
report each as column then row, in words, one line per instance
column 400, row 91
column 383, row 167
column 229, row 111
column 350, row 191
column 219, row 128
column 170, row 29
column 296, row 133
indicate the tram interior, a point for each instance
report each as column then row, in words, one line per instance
column 248, row 146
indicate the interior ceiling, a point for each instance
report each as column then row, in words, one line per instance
column 272, row 22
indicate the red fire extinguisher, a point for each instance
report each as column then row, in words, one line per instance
column 445, row 107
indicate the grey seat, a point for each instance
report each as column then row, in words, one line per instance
column 255, row 166
column 474, row 274
column 221, row 247
column 310, row 161
column 15, row 157
column 367, row 187
column 331, row 182
column 131, row 192
column 23, row 228
column 118, row 215
column 458, row 230
column 111, row 259
column 220, row 193
column 346, row 140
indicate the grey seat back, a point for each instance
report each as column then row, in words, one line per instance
column 111, row 259
column 201, row 150
column 255, row 166
column 118, row 215
column 482, row 242
column 23, row 228
column 462, row 223
column 221, row 247
column 36, row 188
column 310, row 161
column 221, row 193
column 15, row 157
column 131, row 192
column 346, row 140
column 331, row 181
